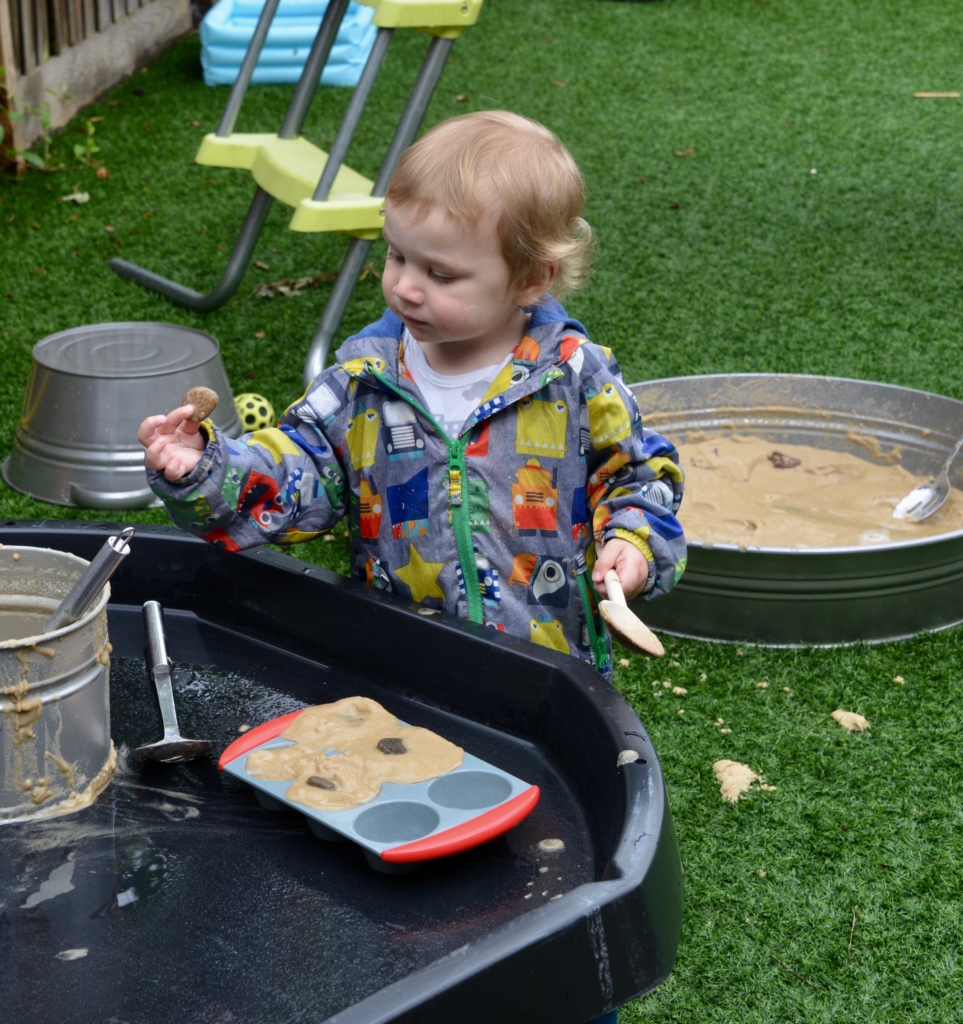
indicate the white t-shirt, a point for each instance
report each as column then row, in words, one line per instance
column 450, row 399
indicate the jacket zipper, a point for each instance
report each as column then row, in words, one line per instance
column 457, row 505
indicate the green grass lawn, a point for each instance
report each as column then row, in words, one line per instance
column 815, row 228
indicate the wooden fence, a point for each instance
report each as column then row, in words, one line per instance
column 61, row 55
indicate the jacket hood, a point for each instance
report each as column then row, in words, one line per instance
column 378, row 345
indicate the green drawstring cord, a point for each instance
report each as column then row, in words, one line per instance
column 600, row 650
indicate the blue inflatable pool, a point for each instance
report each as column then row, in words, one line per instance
column 228, row 27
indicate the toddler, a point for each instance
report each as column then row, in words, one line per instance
column 489, row 458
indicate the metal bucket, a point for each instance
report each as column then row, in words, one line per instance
column 821, row 596
column 89, row 389
column 55, row 749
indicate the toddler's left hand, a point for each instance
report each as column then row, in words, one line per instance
column 628, row 562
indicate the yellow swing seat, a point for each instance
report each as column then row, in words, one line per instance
column 289, row 169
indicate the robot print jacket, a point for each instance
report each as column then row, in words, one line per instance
column 496, row 525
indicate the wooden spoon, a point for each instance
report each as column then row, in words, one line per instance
column 625, row 625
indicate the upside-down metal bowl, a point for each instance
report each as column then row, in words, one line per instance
column 783, row 596
column 89, row 389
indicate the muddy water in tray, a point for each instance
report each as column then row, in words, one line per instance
column 55, row 750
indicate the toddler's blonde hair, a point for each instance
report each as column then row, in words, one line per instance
column 497, row 161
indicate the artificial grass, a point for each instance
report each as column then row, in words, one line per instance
column 736, row 258
column 869, row 821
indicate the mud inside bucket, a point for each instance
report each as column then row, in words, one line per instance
column 55, row 749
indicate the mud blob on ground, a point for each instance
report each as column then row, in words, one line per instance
column 735, row 779
column 850, row 721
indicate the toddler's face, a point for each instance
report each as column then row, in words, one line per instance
column 447, row 281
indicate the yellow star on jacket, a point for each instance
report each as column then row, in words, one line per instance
column 421, row 576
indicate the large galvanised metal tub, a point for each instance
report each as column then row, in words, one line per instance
column 176, row 897
column 89, row 389
column 820, row 596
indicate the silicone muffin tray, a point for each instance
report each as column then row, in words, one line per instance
column 405, row 825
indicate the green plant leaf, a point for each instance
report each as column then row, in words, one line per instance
column 79, row 150
column 35, row 159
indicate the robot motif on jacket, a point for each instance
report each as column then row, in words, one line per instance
column 545, row 577
column 618, row 467
column 361, row 436
column 535, row 500
column 374, row 573
column 609, row 418
column 479, row 514
column 332, row 482
column 403, row 436
column 570, row 352
column 548, row 632
column 369, row 511
column 408, row 507
column 487, row 580
column 320, row 408
column 541, row 427
column 526, row 357
column 260, row 500
column 580, row 514
column 584, row 433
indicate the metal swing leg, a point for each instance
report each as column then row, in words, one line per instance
column 232, row 276
column 262, row 201
column 351, row 268
column 356, row 105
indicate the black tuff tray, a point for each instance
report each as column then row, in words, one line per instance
column 195, row 904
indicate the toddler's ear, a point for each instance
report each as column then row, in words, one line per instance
column 537, row 284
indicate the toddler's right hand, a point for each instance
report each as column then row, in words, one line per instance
column 174, row 444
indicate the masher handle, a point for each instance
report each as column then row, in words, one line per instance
column 160, row 666
column 154, row 625
column 613, row 587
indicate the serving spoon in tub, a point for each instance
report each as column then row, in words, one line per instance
column 923, row 501
column 92, row 580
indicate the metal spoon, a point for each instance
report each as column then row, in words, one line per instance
column 624, row 624
column 923, row 501
column 173, row 747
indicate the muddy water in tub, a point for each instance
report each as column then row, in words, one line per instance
column 17, row 623
column 747, row 491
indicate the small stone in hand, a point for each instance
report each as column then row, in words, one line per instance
column 320, row 783
column 781, row 461
column 392, row 745
column 204, row 401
